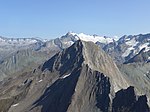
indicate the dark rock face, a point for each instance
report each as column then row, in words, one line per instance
column 141, row 105
column 125, row 101
column 102, row 94
column 57, row 97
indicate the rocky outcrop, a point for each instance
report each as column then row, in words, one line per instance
column 126, row 101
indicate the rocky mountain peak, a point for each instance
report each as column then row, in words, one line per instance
column 86, row 53
column 89, row 78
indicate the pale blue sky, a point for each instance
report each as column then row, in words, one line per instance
column 53, row 18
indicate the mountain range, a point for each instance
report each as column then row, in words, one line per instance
column 75, row 73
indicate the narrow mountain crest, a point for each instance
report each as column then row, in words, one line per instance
column 87, row 53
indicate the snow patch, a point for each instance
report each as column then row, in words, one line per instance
column 116, row 38
column 147, row 48
column 127, row 52
column 15, row 105
column 127, row 39
column 40, row 80
column 66, row 76
column 132, row 42
column 69, row 42
column 116, row 88
column 145, row 75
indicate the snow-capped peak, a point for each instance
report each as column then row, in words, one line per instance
column 93, row 38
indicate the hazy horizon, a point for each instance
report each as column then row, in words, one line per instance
column 48, row 38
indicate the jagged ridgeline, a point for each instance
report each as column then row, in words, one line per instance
column 81, row 78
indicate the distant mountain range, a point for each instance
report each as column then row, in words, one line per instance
column 121, row 49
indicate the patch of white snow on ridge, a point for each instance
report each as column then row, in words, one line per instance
column 69, row 42
column 147, row 48
column 116, row 38
column 72, row 33
column 127, row 52
column 127, row 39
column 15, row 105
column 40, row 80
column 66, row 76
column 116, row 88
column 132, row 42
